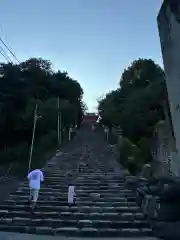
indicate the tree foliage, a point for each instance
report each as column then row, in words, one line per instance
column 137, row 105
column 30, row 82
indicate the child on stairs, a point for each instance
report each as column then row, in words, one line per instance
column 71, row 195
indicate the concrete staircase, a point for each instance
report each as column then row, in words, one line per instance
column 104, row 208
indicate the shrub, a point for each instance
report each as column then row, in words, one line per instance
column 112, row 138
column 144, row 145
column 132, row 166
column 130, row 156
column 14, row 154
column 42, row 148
column 19, row 155
column 124, row 150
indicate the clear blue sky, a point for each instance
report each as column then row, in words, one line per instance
column 94, row 40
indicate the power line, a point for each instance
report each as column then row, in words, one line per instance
column 6, row 56
column 2, row 51
column 1, row 28
column 9, row 50
column 6, row 45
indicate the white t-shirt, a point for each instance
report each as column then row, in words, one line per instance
column 71, row 194
column 35, row 178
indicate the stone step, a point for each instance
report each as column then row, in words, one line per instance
column 23, row 201
column 49, row 196
column 79, row 193
column 85, row 180
column 82, row 189
column 102, row 183
column 88, row 176
column 114, row 216
column 54, row 223
column 78, row 190
column 78, row 185
column 73, row 164
column 79, row 176
column 73, row 167
column 79, row 196
column 86, row 209
column 79, row 199
column 80, row 232
column 84, row 173
column 90, row 166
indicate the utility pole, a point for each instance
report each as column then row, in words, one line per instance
column 70, row 131
column 58, row 126
column 107, row 133
column 60, row 123
column 33, row 134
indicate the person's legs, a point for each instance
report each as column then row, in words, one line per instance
column 35, row 194
column 30, row 195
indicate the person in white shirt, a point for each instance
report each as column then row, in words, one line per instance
column 35, row 178
column 71, row 194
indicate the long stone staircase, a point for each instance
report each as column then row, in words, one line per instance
column 104, row 206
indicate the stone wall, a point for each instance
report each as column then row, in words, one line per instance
column 169, row 32
column 163, row 148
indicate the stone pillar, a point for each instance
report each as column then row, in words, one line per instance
column 169, row 31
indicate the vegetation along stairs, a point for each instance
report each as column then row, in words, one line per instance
column 104, row 207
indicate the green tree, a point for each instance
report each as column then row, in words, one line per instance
column 137, row 105
column 21, row 87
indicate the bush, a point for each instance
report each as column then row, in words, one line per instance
column 124, row 150
column 18, row 156
column 144, row 145
column 46, row 145
column 14, row 154
column 130, row 156
column 132, row 166
column 112, row 138
column 44, row 149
